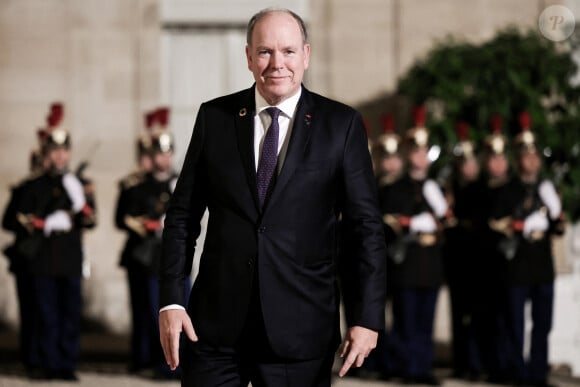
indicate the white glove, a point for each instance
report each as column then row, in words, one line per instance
column 172, row 184
column 75, row 191
column 423, row 222
column 435, row 198
column 550, row 198
column 536, row 221
column 159, row 232
column 59, row 220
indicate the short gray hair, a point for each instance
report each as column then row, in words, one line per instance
column 267, row 11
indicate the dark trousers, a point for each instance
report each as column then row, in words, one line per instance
column 490, row 323
column 207, row 366
column 145, row 345
column 412, row 334
column 29, row 351
column 251, row 360
column 466, row 358
column 534, row 369
column 379, row 360
column 144, row 293
column 59, row 312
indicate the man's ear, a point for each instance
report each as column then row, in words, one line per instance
column 249, row 58
column 306, row 55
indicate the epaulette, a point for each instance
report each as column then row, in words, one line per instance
column 132, row 180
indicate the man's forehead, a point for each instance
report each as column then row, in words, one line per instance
column 280, row 20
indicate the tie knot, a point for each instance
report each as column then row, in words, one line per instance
column 274, row 112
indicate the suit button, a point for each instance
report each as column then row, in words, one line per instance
column 262, row 229
column 250, row 262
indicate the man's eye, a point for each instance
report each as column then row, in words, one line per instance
column 263, row 52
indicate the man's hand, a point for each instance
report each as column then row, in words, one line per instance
column 358, row 343
column 171, row 323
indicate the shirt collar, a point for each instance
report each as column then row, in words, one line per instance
column 288, row 106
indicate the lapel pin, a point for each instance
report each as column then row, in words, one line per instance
column 307, row 119
column 243, row 112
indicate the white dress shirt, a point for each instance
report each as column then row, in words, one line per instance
column 262, row 120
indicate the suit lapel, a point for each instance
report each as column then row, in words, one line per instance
column 245, row 131
column 299, row 139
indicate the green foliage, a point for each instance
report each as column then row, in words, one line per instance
column 511, row 73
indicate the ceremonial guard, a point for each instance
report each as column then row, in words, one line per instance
column 489, row 307
column 141, row 207
column 390, row 166
column 536, row 215
column 413, row 209
column 20, row 264
column 140, row 356
column 459, row 253
column 53, row 209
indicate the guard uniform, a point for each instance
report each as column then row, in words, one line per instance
column 413, row 209
column 536, row 215
column 53, row 209
column 460, row 253
column 143, row 200
column 390, row 166
column 20, row 267
column 489, row 309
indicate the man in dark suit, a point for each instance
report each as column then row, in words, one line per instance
column 265, row 304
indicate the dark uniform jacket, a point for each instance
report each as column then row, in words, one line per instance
column 142, row 197
column 461, row 249
column 421, row 265
column 18, row 261
column 60, row 253
column 532, row 263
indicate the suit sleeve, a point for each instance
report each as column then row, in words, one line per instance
column 363, row 226
column 182, row 221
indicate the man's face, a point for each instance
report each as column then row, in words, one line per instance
column 162, row 161
column 530, row 163
column 145, row 162
column 418, row 159
column 277, row 57
column 391, row 165
column 497, row 166
column 469, row 169
column 59, row 158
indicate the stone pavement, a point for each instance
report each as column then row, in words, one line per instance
column 111, row 379
column 104, row 359
column 113, row 375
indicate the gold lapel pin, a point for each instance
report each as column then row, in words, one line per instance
column 243, row 112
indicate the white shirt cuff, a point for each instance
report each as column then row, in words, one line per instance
column 170, row 307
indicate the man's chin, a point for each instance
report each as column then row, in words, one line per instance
column 278, row 92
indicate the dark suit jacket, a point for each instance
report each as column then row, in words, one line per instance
column 327, row 172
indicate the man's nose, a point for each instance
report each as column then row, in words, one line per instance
column 277, row 60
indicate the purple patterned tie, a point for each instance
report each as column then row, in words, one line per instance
column 269, row 157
